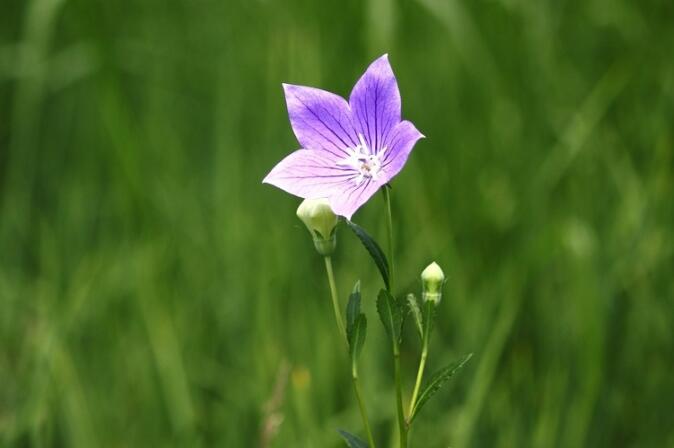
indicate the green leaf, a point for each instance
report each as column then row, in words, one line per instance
column 353, row 307
column 413, row 306
column 436, row 382
column 374, row 250
column 390, row 313
column 356, row 336
column 351, row 440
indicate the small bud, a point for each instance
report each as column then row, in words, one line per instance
column 321, row 222
column 432, row 280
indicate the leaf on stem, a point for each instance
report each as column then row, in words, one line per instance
column 373, row 249
column 413, row 307
column 436, row 382
column 353, row 307
column 356, row 336
column 351, row 440
column 391, row 315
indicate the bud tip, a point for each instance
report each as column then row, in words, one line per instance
column 432, row 279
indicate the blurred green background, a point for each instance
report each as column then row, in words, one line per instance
column 154, row 293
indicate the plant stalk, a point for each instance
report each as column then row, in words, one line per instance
column 428, row 308
column 354, row 366
column 361, row 404
column 402, row 425
column 335, row 297
column 387, row 198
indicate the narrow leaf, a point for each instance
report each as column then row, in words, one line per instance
column 390, row 314
column 351, row 440
column 413, row 306
column 356, row 336
column 436, row 382
column 374, row 250
column 353, row 307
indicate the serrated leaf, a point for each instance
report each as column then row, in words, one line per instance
column 356, row 336
column 390, row 314
column 374, row 250
column 413, row 306
column 351, row 440
column 436, row 382
column 353, row 307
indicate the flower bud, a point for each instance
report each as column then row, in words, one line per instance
column 321, row 222
column 432, row 279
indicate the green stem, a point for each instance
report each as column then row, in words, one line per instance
column 354, row 366
column 402, row 425
column 424, row 354
column 361, row 405
column 387, row 198
column 335, row 297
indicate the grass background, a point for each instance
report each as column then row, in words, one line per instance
column 154, row 293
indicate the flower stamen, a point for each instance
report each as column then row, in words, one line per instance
column 365, row 162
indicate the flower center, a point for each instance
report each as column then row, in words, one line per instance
column 362, row 160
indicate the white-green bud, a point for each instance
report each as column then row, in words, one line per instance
column 432, row 279
column 321, row 222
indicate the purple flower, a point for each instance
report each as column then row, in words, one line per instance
column 349, row 149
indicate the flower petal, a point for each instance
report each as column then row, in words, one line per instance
column 400, row 143
column 321, row 120
column 347, row 200
column 375, row 103
column 310, row 174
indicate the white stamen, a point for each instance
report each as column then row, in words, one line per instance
column 362, row 160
